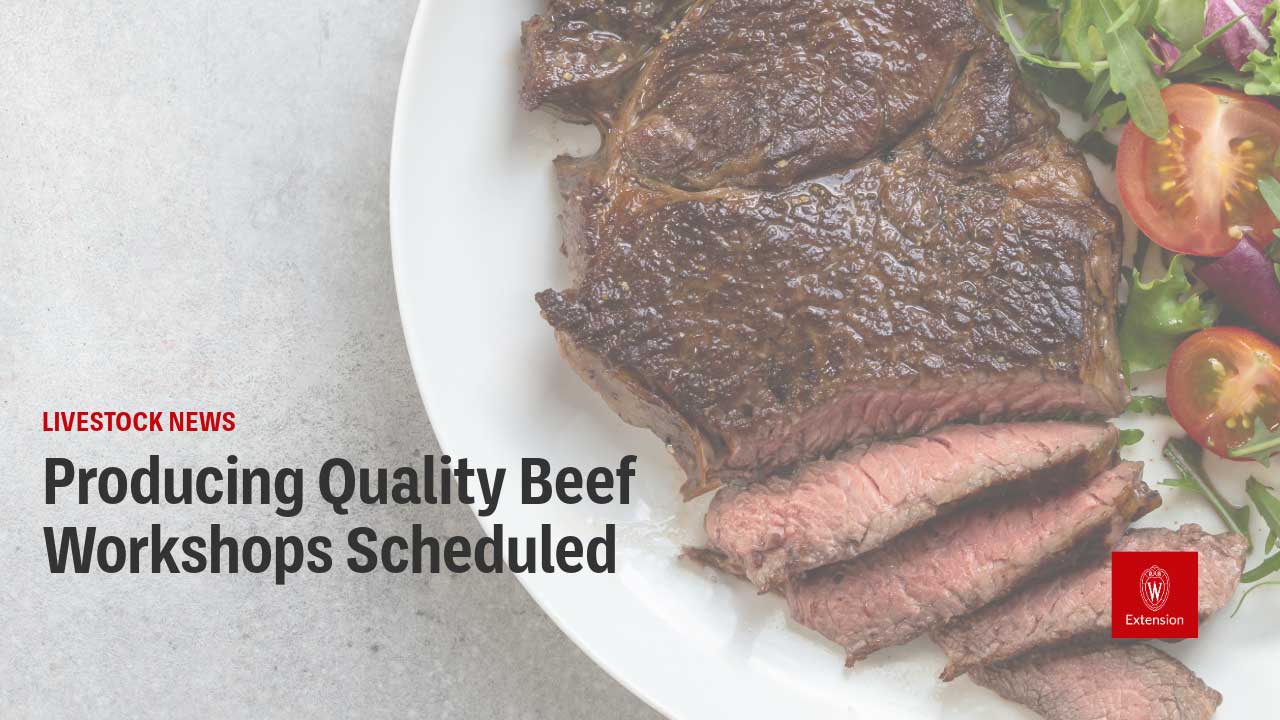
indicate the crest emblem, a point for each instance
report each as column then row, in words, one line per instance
column 1154, row 588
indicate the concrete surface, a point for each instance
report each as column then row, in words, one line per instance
column 193, row 214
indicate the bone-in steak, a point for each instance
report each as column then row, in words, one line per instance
column 1104, row 681
column 818, row 221
column 1078, row 603
column 958, row 563
column 837, row 509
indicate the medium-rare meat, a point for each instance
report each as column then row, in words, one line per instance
column 960, row 562
column 814, row 222
column 837, row 509
column 1106, row 681
column 1078, row 603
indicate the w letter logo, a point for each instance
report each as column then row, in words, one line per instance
column 1154, row 588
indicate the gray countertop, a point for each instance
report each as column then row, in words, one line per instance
column 194, row 215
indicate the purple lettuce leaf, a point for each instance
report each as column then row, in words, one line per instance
column 1245, row 36
column 1165, row 51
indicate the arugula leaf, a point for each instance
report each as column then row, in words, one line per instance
column 1101, row 90
column 1268, row 566
column 1268, row 509
column 1146, row 15
column 1160, row 313
column 1131, row 63
column 1125, row 18
column 1112, row 115
column 1249, row 592
column 1186, row 457
column 1148, row 404
column 1264, row 443
column 1131, row 437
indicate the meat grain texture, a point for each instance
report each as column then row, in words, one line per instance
column 814, row 222
column 835, row 510
column 1107, row 681
column 1078, row 603
column 961, row 562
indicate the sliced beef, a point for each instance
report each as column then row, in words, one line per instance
column 1106, row 681
column 1078, row 603
column 838, row 509
column 817, row 222
column 960, row 562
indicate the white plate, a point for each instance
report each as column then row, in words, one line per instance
column 474, row 236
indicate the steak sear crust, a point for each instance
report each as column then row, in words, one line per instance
column 816, row 222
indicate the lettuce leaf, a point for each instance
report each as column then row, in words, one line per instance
column 1263, row 66
column 1181, row 21
column 1160, row 313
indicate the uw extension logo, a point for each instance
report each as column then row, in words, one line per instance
column 1155, row 595
column 1153, row 588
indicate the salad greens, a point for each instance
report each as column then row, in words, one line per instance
column 1268, row 509
column 1131, row 437
column 1187, row 457
column 1262, row 66
column 1148, row 405
column 1161, row 313
column 1260, row 447
column 1111, row 58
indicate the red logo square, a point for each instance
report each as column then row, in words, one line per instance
column 1155, row 595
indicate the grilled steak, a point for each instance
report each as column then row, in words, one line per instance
column 958, row 563
column 1079, row 602
column 1108, row 680
column 813, row 222
column 837, row 509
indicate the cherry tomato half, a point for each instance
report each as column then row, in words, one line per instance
column 1196, row 191
column 1221, row 383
